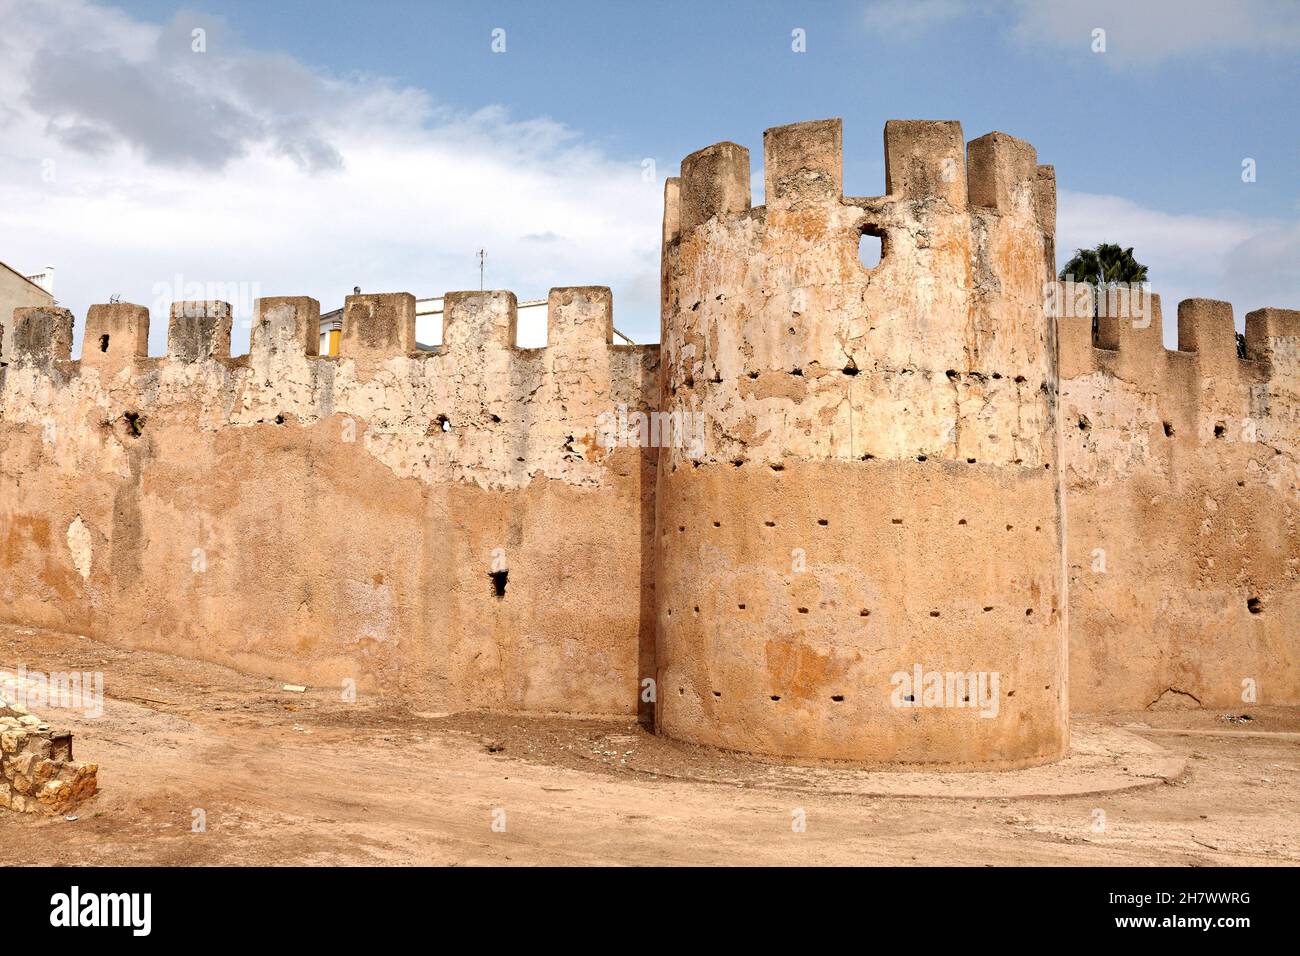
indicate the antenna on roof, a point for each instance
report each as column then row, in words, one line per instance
column 482, row 260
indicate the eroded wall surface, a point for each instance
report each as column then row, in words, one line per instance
column 327, row 520
column 879, row 485
column 1182, row 496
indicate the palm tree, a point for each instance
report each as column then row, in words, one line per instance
column 1104, row 266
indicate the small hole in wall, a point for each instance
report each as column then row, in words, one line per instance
column 499, row 583
column 103, row 343
column 717, row 524
column 444, row 423
column 871, row 247
column 823, row 522
column 770, row 524
column 988, row 607
column 681, row 692
column 850, row 369
column 134, row 423
column 934, row 613
column 1029, row 612
column 796, row 371
column 775, row 697
column 1169, row 430
column 1220, row 430
column 496, row 419
column 895, row 520
column 279, row 419
column 952, row 373
column 962, row 521
column 864, row 613
column 777, row 467
column 803, row 610
column 740, row 606
column 717, row 693
column 838, row 698
column 1254, row 606
column 1084, row 424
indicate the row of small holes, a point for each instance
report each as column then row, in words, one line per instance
column 1029, row 611
column 838, row 698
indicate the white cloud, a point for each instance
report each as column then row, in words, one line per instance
column 240, row 167
column 1138, row 32
column 1149, row 31
column 1251, row 263
column 909, row 18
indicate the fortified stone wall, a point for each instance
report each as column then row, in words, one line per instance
column 873, row 485
column 879, row 489
column 333, row 519
column 1184, row 541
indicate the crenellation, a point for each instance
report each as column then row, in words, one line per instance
column 714, row 182
column 474, row 322
column 925, row 159
column 285, row 325
column 803, row 164
column 1205, row 326
column 116, row 337
column 199, row 331
column 377, row 327
column 826, row 474
column 580, row 318
column 42, row 336
column 1002, row 173
column 1182, row 476
column 1273, row 337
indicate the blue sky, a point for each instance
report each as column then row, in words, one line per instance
column 358, row 124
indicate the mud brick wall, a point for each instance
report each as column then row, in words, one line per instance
column 914, row 464
column 880, row 483
column 1184, row 508
column 325, row 520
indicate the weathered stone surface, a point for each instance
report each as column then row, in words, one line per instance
column 883, row 467
column 1183, row 482
column 332, row 520
column 879, row 486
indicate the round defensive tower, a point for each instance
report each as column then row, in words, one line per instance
column 863, row 559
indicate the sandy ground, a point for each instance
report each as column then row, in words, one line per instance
column 305, row 778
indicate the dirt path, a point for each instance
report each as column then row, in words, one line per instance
column 288, row 778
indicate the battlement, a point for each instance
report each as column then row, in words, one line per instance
column 1129, row 340
column 354, row 517
column 925, row 162
column 769, row 307
column 479, row 525
column 377, row 327
column 866, row 418
column 1182, row 472
column 504, row 406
